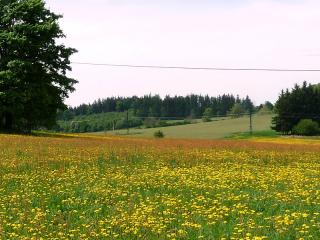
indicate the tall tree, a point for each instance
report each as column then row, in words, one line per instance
column 33, row 66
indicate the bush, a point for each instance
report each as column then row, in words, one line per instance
column 158, row 134
column 306, row 127
column 206, row 119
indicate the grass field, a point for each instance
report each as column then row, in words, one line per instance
column 89, row 187
column 208, row 130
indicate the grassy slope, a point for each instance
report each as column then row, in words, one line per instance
column 210, row 130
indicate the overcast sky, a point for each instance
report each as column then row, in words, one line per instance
column 197, row 33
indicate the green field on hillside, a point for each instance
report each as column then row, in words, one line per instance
column 204, row 130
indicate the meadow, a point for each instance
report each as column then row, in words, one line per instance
column 91, row 187
column 217, row 129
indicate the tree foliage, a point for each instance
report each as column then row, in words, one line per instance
column 98, row 122
column 207, row 115
column 306, row 127
column 33, row 67
column 300, row 103
column 191, row 106
column 237, row 110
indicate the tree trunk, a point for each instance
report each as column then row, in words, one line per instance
column 8, row 121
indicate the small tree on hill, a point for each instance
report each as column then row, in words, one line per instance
column 158, row 134
column 207, row 115
column 237, row 110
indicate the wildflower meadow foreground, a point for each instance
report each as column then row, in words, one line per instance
column 84, row 187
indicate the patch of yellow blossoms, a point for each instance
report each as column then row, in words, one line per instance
column 118, row 188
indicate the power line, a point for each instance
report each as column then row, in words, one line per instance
column 196, row 68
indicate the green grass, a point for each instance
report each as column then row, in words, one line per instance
column 247, row 135
column 208, row 130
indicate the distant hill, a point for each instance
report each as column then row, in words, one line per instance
column 221, row 128
column 147, row 111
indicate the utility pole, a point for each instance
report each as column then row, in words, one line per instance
column 128, row 122
column 250, row 127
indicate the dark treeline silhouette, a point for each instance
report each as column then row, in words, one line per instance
column 192, row 106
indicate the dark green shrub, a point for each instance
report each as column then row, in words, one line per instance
column 206, row 119
column 306, row 127
column 158, row 134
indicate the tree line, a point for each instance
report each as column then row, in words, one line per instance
column 191, row 106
